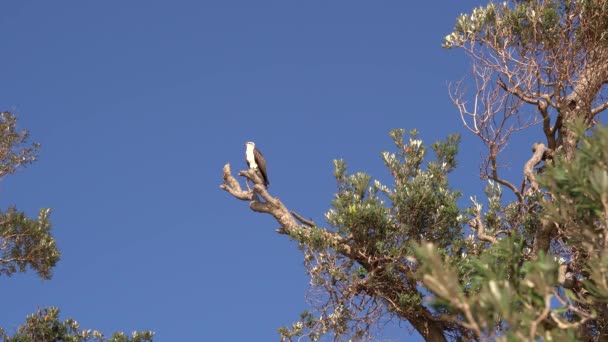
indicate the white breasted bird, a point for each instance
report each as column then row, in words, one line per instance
column 255, row 161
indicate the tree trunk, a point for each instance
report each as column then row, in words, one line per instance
column 430, row 330
column 578, row 104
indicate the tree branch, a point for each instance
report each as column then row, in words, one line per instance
column 233, row 187
column 539, row 150
column 595, row 111
column 477, row 224
column 541, row 317
column 495, row 177
column 517, row 91
column 273, row 206
column 304, row 221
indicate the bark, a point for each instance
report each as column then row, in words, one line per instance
column 429, row 330
column 542, row 238
column 538, row 151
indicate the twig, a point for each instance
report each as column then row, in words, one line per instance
column 495, row 177
column 304, row 221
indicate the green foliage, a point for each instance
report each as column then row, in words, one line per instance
column 380, row 223
column 580, row 187
column 531, row 267
column 419, row 206
column 579, row 212
column 23, row 242
column 498, row 288
column 27, row 242
column 14, row 150
column 549, row 296
column 46, row 326
column 410, row 256
column 531, row 23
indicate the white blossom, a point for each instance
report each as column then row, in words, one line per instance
column 415, row 142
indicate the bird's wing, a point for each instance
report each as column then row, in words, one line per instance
column 259, row 159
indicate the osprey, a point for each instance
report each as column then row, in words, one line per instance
column 255, row 161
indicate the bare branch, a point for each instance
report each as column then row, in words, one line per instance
column 585, row 316
column 477, row 224
column 595, row 111
column 539, row 150
column 517, row 91
column 304, row 221
column 541, row 317
column 495, row 177
column 495, row 114
column 273, row 206
column 233, row 187
column 549, row 132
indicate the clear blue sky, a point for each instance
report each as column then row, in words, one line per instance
column 138, row 105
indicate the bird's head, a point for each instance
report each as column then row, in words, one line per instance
column 250, row 143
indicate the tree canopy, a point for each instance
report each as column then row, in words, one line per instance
column 529, row 261
column 23, row 242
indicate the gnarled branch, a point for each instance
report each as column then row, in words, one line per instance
column 477, row 224
column 273, row 206
column 539, row 150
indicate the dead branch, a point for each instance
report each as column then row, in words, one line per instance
column 233, row 187
column 494, row 116
column 304, row 221
column 273, row 206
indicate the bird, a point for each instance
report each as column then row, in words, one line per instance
column 255, row 160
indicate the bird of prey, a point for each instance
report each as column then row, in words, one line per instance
column 255, row 161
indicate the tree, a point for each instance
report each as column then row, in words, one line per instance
column 533, row 62
column 24, row 242
column 532, row 264
column 46, row 326
column 27, row 243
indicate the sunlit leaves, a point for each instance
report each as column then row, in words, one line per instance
column 25, row 242
column 498, row 285
column 45, row 325
column 529, row 22
column 502, row 285
column 379, row 222
column 15, row 151
column 579, row 187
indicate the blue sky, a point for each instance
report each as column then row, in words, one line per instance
column 139, row 104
